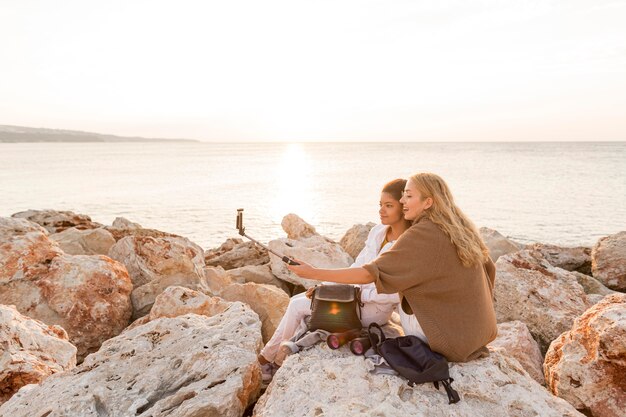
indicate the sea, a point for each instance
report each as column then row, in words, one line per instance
column 567, row 194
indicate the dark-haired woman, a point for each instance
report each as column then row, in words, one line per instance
column 377, row 307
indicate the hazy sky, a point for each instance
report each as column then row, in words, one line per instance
column 317, row 70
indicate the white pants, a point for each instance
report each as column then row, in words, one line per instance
column 300, row 306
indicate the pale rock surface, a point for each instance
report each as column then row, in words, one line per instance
column 157, row 263
column 315, row 250
column 587, row 365
column 235, row 253
column 609, row 261
column 591, row 285
column 570, row 259
column 87, row 295
column 296, row 228
column 120, row 233
column 269, row 302
column 124, row 223
column 30, row 351
column 259, row 274
column 185, row 366
column 84, row 242
column 545, row 298
column 322, row 382
column 498, row 244
column 515, row 340
column 215, row 280
column 55, row 221
column 353, row 241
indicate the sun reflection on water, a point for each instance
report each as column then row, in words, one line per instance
column 294, row 191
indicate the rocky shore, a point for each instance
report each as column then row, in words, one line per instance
column 121, row 320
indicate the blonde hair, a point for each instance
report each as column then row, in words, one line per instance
column 456, row 225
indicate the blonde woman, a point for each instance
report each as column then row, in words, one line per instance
column 441, row 268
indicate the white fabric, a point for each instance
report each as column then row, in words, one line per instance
column 377, row 309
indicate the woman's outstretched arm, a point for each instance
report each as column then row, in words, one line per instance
column 341, row 276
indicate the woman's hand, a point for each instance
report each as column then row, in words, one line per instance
column 304, row 270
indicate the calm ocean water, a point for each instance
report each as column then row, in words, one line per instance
column 562, row 193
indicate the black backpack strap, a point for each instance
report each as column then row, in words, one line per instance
column 453, row 396
column 375, row 339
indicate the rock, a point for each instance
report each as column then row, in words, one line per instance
column 587, row 365
column 353, row 241
column 545, row 298
column 215, row 280
column 189, row 365
column 31, row 351
column 515, row 340
column 269, row 302
column 157, row 263
column 259, row 274
column 84, row 242
column 322, row 382
column 609, row 261
column 120, row 233
column 315, row 250
column 86, row 295
column 57, row 221
column 498, row 244
column 296, row 228
column 235, row 253
column 123, row 223
column 570, row 259
column 591, row 285
column 178, row 301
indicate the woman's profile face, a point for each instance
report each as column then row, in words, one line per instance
column 390, row 209
column 413, row 202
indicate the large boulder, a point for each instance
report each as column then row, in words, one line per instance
column 609, row 261
column 57, row 221
column 124, row 223
column 498, row 244
column 31, row 351
column 157, row 263
column 86, row 295
column 514, row 339
column 259, row 274
column 269, row 302
column 314, row 249
column 322, row 382
column 587, row 365
column 235, row 253
column 353, row 241
column 571, row 259
column 189, row 365
column 547, row 299
column 84, row 242
column 178, row 301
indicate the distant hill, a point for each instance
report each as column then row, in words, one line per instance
column 30, row 134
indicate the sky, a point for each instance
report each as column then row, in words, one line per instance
column 321, row 70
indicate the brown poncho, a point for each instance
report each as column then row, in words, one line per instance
column 452, row 303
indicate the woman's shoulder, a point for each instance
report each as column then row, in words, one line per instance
column 424, row 228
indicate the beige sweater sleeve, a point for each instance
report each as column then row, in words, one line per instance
column 412, row 259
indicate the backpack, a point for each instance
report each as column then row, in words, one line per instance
column 413, row 359
column 335, row 308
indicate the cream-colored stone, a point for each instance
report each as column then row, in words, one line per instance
column 570, row 259
column 235, row 253
column 498, row 244
column 185, row 366
column 322, row 382
column 315, row 250
column 353, row 241
column 178, row 301
column 30, row 351
column 609, row 261
column 84, row 242
column 157, row 263
column 296, row 228
column 55, row 221
column 269, row 302
column 587, row 365
column 515, row 340
column 547, row 299
column 124, row 223
column 87, row 295
column 259, row 274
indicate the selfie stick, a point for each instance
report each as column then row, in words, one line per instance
column 242, row 232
